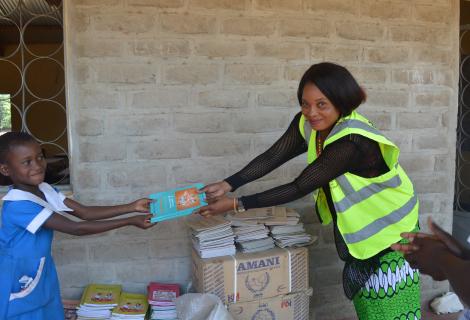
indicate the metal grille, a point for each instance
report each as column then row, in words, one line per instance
column 33, row 81
column 462, row 181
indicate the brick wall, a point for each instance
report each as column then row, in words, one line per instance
column 163, row 93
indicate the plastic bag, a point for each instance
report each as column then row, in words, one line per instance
column 201, row 306
column 446, row 303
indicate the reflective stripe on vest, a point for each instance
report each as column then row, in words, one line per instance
column 353, row 197
column 381, row 223
column 352, row 124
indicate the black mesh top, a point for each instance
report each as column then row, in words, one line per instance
column 353, row 153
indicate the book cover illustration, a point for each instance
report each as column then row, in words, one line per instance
column 161, row 292
column 101, row 295
column 131, row 304
column 70, row 309
column 176, row 203
column 162, row 298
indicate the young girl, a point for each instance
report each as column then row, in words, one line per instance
column 32, row 209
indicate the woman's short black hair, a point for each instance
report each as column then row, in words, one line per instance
column 336, row 83
column 12, row 139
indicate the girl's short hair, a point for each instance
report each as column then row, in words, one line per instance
column 12, row 139
column 336, row 83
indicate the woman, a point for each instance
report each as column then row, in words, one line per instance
column 358, row 184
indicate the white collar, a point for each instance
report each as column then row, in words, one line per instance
column 55, row 200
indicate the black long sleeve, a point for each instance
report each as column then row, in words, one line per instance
column 289, row 146
column 334, row 161
column 352, row 153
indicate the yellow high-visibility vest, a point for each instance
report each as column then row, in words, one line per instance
column 371, row 212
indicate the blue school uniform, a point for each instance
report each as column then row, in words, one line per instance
column 29, row 287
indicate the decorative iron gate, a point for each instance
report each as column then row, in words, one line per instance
column 32, row 83
column 462, row 176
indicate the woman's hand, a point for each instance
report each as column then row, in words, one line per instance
column 141, row 221
column 218, row 206
column 217, row 189
column 141, row 205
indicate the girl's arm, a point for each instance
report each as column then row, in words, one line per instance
column 105, row 212
column 60, row 223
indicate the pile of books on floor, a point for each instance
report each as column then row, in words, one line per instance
column 107, row 301
column 162, row 298
column 70, row 308
column 212, row 237
column 97, row 301
column 132, row 306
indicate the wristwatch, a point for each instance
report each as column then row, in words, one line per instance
column 240, row 207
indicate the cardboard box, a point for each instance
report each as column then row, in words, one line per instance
column 293, row 306
column 252, row 276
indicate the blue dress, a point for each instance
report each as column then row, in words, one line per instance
column 29, row 286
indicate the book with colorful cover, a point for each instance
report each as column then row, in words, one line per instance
column 101, row 295
column 131, row 304
column 70, row 308
column 177, row 202
column 162, row 292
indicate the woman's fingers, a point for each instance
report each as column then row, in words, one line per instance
column 203, row 211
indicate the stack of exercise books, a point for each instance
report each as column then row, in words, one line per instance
column 212, row 237
column 283, row 225
column 70, row 309
column 252, row 238
column 283, row 216
column 290, row 235
column 132, row 306
column 98, row 300
column 269, row 216
column 162, row 298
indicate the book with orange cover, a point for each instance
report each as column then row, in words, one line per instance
column 177, row 202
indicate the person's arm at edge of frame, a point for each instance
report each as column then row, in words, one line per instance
column 105, row 212
column 80, row 228
column 451, row 263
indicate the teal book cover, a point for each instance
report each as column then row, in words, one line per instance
column 177, row 202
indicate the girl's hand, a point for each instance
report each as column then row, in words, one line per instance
column 215, row 190
column 141, row 205
column 219, row 206
column 142, row 221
